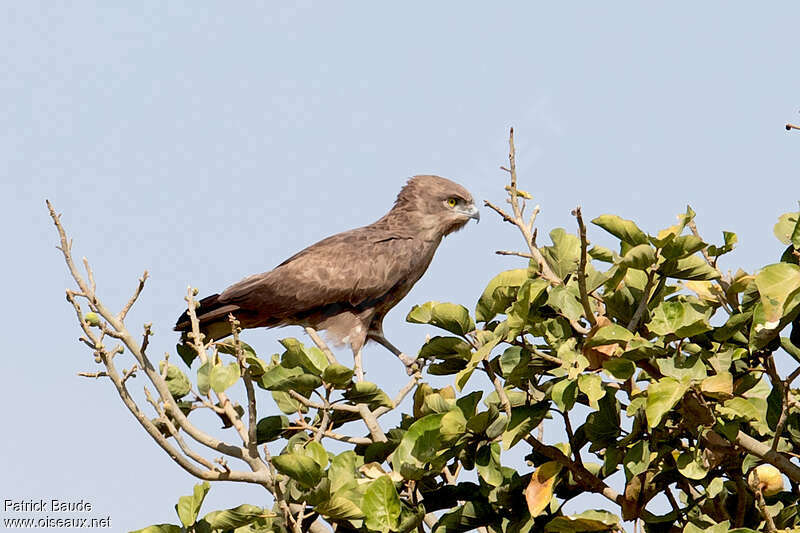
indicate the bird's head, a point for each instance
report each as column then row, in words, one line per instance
column 437, row 204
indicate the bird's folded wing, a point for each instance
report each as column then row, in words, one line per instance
column 352, row 268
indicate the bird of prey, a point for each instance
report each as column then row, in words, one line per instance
column 346, row 284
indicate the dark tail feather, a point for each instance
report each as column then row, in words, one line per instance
column 213, row 317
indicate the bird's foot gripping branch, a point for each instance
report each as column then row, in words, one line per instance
column 652, row 363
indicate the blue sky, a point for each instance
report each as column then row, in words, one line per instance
column 206, row 141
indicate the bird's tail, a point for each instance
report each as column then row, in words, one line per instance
column 213, row 317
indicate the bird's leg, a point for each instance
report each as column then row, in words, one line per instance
column 410, row 362
column 358, row 368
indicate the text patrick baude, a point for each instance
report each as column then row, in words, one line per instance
column 46, row 506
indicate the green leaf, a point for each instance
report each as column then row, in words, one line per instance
column 381, row 505
column 682, row 246
column 177, row 382
column 311, row 359
column 339, row 508
column 565, row 302
column 342, row 472
column 611, row 334
column 564, row 254
column 453, row 426
column 640, row 257
column 222, row 377
column 487, row 461
column 270, row 428
column 203, row 378
column 187, row 354
column 466, row 517
column 419, row 447
column 518, row 313
column 683, row 319
column 691, row 464
column 188, row 507
column 451, row 317
column 603, row 254
column 693, row 267
column 730, row 240
column 619, row 367
column 787, row 229
column 237, row 517
column 776, row 284
column 316, row 451
column 337, row 375
column 287, row 404
column 229, row 347
column 592, row 386
column 445, row 348
column 718, row 386
column 564, row 394
column 436, row 403
column 602, row 427
column 625, row 230
column 637, row 458
column 586, row 521
column 368, row 393
column 490, row 304
column 662, row 396
column 746, row 409
column 523, row 420
column 715, row 487
column 280, row 378
column 161, row 528
column 479, row 355
column 299, row 467
column 683, row 369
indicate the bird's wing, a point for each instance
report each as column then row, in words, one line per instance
column 352, row 268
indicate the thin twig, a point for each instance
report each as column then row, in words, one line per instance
column 498, row 387
column 587, row 309
column 755, row 484
column 301, row 424
column 136, row 293
column 400, row 395
column 252, row 445
column 640, row 309
column 518, row 254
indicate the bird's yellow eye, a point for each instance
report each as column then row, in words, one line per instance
column 452, row 202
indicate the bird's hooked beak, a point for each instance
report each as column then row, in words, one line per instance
column 473, row 212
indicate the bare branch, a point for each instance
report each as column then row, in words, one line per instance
column 321, row 344
column 526, row 229
column 766, row 453
column 581, row 474
column 372, row 424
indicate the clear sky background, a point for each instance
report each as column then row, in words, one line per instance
column 205, row 141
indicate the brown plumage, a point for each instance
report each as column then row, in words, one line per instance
column 346, row 284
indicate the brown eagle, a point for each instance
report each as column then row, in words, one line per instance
column 346, row 284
